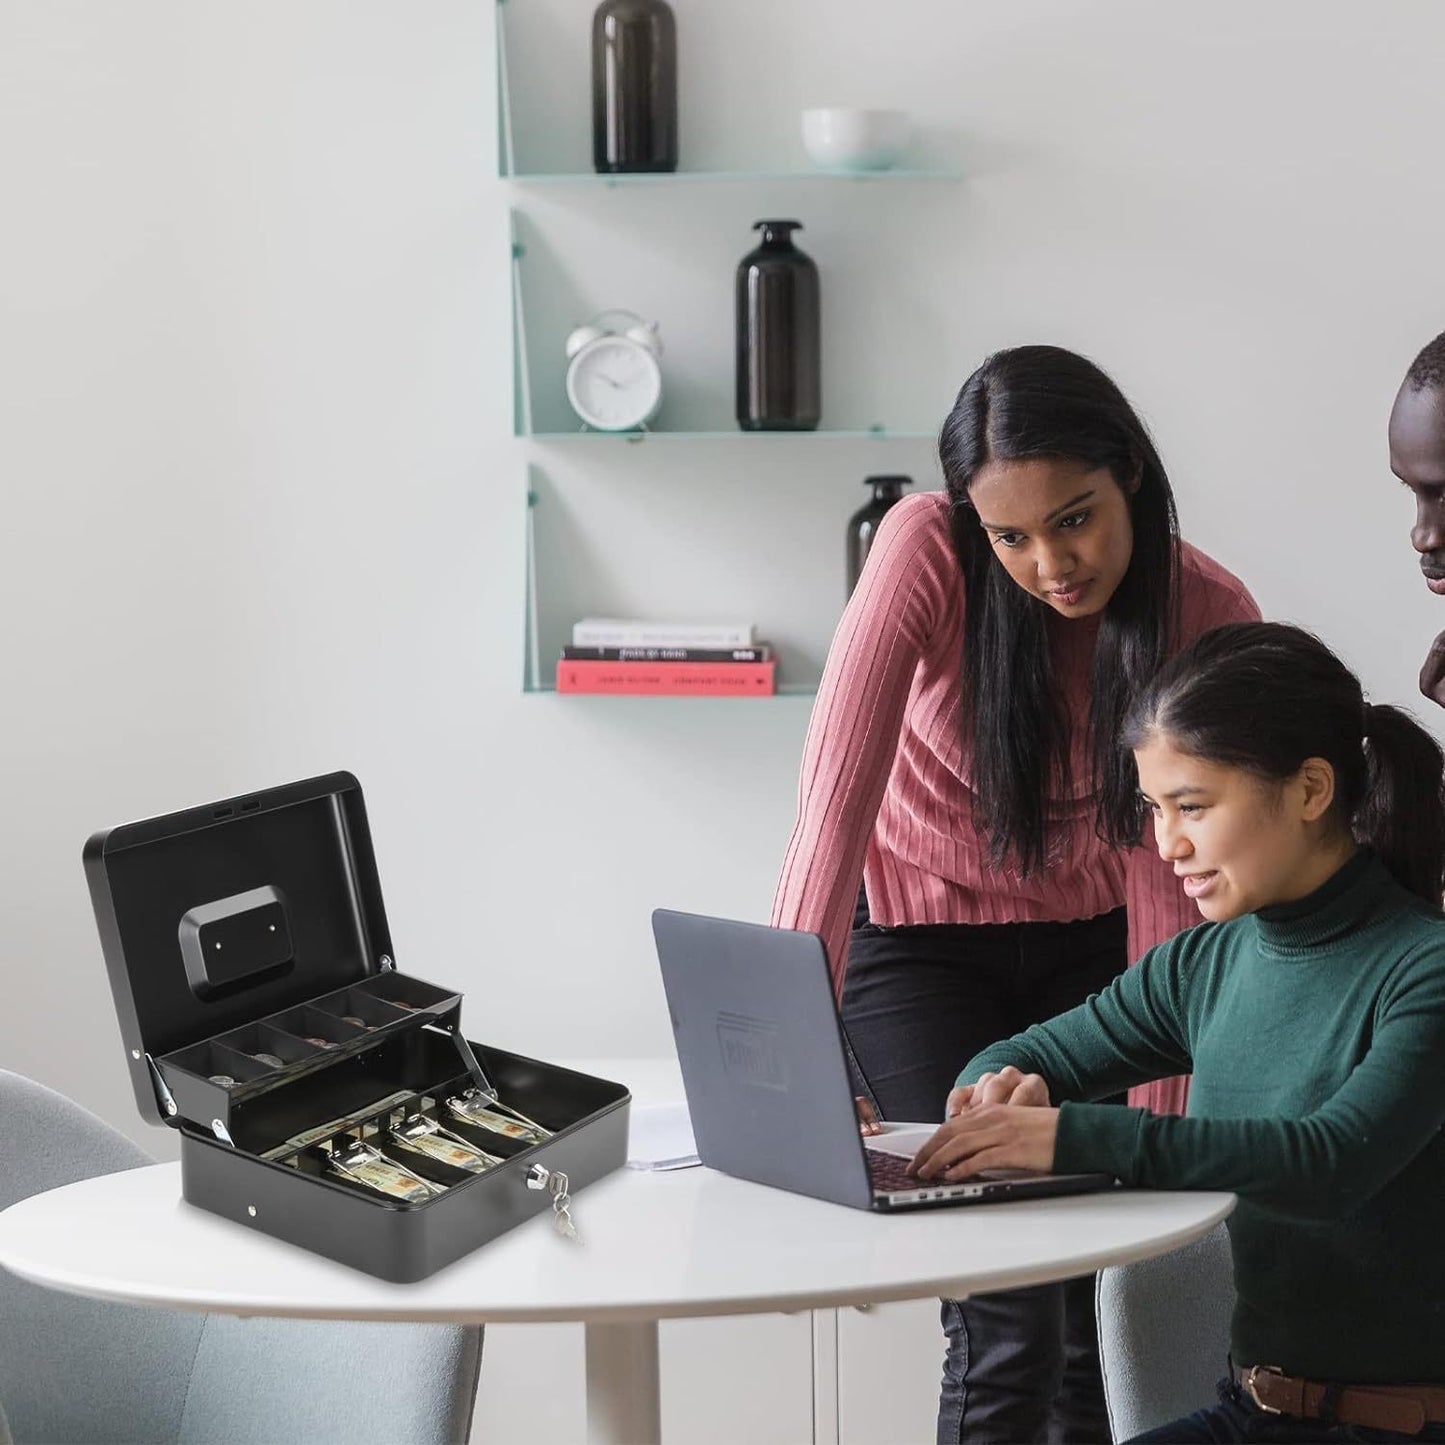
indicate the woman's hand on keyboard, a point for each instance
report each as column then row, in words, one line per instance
column 1008, row 1086
column 989, row 1136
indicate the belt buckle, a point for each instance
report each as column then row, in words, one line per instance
column 1253, row 1393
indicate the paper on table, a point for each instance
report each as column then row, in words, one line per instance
column 900, row 1138
column 661, row 1138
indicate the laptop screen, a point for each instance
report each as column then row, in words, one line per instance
column 761, row 1054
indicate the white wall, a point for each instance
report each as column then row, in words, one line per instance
column 264, row 516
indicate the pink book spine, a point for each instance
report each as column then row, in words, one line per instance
column 667, row 679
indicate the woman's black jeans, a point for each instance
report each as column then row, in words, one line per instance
column 918, row 1003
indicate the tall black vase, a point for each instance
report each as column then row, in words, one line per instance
column 863, row 524
column 778, row 345
column 634, row 86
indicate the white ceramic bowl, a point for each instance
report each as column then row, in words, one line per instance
column 840, row 138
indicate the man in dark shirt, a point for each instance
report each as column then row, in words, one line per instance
column 1417, row 457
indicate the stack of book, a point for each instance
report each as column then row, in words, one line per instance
column 677, row 659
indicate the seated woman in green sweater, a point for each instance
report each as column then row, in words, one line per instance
column 1308, row 827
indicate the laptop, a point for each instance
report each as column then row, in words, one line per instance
column 767, row 1081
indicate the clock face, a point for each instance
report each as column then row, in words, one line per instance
column 614, row 384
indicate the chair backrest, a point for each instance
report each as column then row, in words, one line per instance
column 77, row 1369
column 1164, row 1333
column 257, row 1382
column 84, row 1370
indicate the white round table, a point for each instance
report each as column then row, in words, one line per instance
column 654, row 1246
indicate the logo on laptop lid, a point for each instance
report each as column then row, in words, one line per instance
column 751, row 1051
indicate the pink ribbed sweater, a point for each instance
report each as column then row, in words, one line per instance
column 884, row 790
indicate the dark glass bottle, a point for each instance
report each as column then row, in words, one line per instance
column 634, row 86
column 778, row 346
column 863, row 524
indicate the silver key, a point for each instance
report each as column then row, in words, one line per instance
column 561, row 1213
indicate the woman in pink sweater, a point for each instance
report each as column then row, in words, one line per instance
column 961, row 761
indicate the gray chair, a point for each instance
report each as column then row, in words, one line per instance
column 81, row 1370
column 1164, row 1334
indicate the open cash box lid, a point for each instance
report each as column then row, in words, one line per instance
column 224, row 927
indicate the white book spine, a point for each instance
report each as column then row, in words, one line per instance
column 613, row 632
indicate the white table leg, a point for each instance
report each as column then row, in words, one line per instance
column 827, row 1428
column 623, row 1392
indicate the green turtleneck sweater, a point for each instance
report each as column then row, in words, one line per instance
column 1315, row 1032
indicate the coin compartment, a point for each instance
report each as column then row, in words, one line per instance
column 309, row 1022
column 362, row 1003
column 407, row 993
column 216, row 1058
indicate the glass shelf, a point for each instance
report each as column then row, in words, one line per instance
column 507, row 162
column 539, row 408
column 550, row 612
column 547, row 298
column 875, row 433
column 630, row 178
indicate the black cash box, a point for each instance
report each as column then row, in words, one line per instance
column 264, row 1017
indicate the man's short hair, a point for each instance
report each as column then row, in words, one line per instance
column 1427, row 371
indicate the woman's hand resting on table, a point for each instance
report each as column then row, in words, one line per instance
column 868, row 1123
column 1004, row 1121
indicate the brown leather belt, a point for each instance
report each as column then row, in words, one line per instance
column 1404, row 1408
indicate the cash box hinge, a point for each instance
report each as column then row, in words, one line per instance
column 163, row 1094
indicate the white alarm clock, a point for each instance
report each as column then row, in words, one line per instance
column 613, row 380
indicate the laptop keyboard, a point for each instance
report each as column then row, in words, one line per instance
column 888, row 1172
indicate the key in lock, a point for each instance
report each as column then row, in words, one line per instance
column 554, row 1181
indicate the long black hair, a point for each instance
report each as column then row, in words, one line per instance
column 1032, row 402
column 1264, row 696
